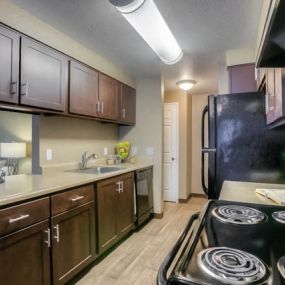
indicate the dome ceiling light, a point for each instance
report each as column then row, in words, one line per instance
column 186, row 85
column 145, row 18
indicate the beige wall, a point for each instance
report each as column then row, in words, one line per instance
column 198, row 103
column 240, row 56
column 148, row 130
column 25, row 22
column 70, row 137
column 262, row 21
column 181, row 98
column 17, row 127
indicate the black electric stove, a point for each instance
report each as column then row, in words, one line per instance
column 229, row 243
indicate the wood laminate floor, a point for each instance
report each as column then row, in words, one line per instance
column 136, row 261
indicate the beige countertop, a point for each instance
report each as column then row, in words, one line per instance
column 23, row 187
column 245, row 192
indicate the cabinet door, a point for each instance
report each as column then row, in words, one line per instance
column 128, row 104
column 73, row 242
column 270, row 95
column 106, row 212
column 278, row 88
column 125, row 204
column 24, row 256
column 83, row 90
column 9, row 63
column 108, row 98
column 43, row 76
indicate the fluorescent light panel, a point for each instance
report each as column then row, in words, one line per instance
column 146, row 19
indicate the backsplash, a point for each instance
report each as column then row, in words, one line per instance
column 68, row 138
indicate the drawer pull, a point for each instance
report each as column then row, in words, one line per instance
column 22, row 217
column 77, row 198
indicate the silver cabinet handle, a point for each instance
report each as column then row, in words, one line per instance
column 22, row 217
column 14, row 87
column 119, row 187
column 102, row 107
column 122, row 186
column 48, row 237
column 124, row 113
column 56, row 237
column 24, row 89
column 77, row 198
column 266, row 103
column 98, row 107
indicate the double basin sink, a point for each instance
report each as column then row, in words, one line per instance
column 98, row 170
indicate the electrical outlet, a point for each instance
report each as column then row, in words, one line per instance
column 105, row 151
column 149, row 151
column 134, row 150
column 49, row 154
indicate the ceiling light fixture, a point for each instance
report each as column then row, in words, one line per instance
column 145, row 18
column 186, row 85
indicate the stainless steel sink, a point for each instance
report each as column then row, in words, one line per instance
column 98, row 169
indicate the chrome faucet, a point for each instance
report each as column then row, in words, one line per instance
column 85, row 159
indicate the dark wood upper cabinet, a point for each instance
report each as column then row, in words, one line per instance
column 115, row 209
column 44, row 76
column 242, row 78
column 108, row 98
column 73, row 242
column 128, row 105
column 83, row 90
column 275, row 95
column 9, row 65
column 25, row 256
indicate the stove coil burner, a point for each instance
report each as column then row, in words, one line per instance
column 235, row 214
column 281, row 266
column 232, row 266
column 279, row 216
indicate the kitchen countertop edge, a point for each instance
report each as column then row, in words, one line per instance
column 36, row 188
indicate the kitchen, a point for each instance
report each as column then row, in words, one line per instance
column 79, row 78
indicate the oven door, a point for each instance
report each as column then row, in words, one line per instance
column 144, row 191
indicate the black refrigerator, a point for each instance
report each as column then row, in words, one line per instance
column 237, row 144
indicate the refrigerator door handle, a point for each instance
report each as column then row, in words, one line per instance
column 203, row 151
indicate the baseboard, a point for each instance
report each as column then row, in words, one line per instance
column 158, row 215
column 198, row 195
column 185, row 201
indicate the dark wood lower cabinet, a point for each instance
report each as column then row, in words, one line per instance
column 25, row 256
column 125, row 209
column 115, row 209
column 106, row 203
column 73, row 242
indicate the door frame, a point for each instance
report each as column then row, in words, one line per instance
column 176, row 174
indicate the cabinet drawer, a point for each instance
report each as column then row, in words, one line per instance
column 17, row 217
column 71, row 199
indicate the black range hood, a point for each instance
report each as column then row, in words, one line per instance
column 271, row 51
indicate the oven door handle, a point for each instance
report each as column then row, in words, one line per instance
column 162, row 272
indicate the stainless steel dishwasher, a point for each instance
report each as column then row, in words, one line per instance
column 143, row 195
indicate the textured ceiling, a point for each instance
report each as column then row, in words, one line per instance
column 203, row 28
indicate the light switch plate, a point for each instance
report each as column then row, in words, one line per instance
column 105, row 151
column 49, row 154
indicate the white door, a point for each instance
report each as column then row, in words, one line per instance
column 170, row 152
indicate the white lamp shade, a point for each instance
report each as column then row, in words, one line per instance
column 146, row 19
column 13, row 150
